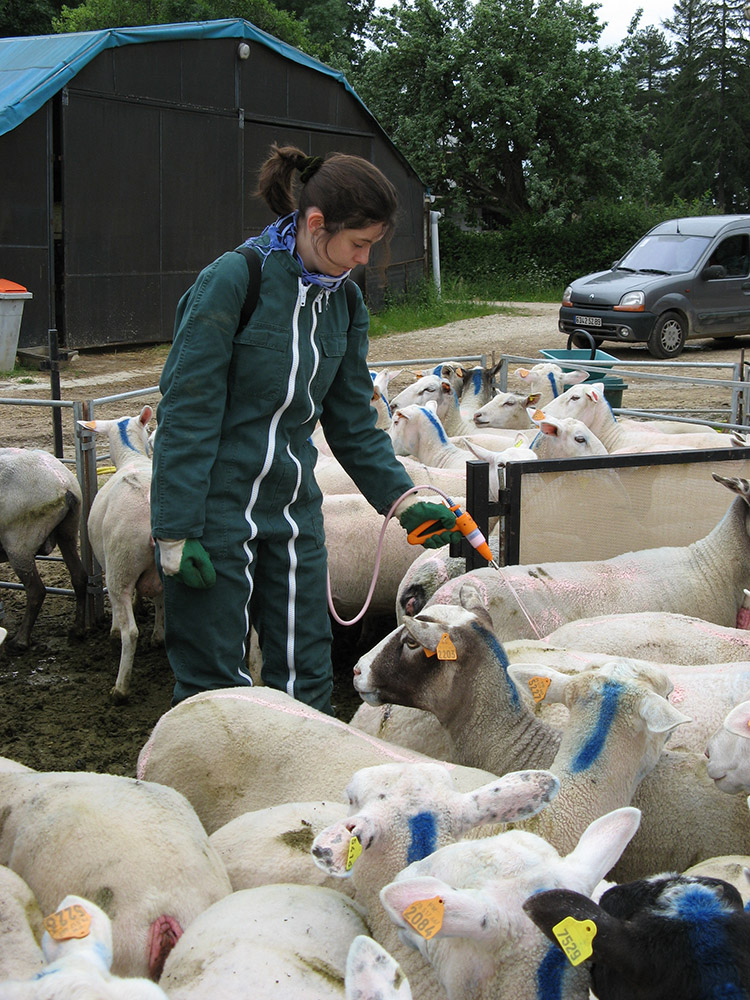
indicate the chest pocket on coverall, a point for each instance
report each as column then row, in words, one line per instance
column 333, row 348
column 260, row 362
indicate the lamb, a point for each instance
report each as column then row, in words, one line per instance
column 658, row 938
column 273, row 845
column 402, row 813
column 654, row 635
column 507, row 410
column 77, row 946
column 728, row 751
column 135, row 848
column 274, row 941
column 532, row 600
column 548, row 380
column 119, row 527
column 417, row 432
column 20, row 929
column 479, row 941
column 373, row 974
column 732, row 868
column 218, row 748
column 588, row 403
column 40, row 508
column 476, row 698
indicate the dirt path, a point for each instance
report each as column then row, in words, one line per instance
column 55, row 711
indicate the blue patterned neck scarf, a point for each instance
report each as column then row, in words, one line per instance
column 282, row 235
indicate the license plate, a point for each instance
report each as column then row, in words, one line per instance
column 587, row 320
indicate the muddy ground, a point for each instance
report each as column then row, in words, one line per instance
column 55, row 710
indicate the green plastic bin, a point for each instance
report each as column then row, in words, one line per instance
column 570, row 361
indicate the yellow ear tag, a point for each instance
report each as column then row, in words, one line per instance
column 575, row 937
column 523, row 372
column 425, row 916
column 519, row 443
column 445, row 648
column 72, row 922
column 538, row 687
column 355, row 849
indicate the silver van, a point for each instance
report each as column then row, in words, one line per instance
column 685, row 279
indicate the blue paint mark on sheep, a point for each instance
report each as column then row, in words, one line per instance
column 436, row 424
column 476, row 381
column 549, row 974
column 704, row 916
column 553, row 383
column 423, row 830
column 592, row 748
column 499, row 653
column 122, row 426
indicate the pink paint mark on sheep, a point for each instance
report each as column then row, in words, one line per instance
column 297, row 709
column 678, row 695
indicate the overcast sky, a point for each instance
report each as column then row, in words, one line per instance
column 617, row 14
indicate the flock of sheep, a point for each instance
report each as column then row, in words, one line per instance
column 524, row 734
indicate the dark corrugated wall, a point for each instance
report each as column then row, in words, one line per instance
column 158, row 149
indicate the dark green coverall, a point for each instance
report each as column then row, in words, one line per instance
column 233, row 466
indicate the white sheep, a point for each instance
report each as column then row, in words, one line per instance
column 462, row 908
column 373, row 974
column 507, row 410
column 588, row 403
column 20, row 929
column 528, row 601
column 728, row 751
column 401, row 813
column 40, row 508
column 275, row 941
column 653, row 635
column 600, row 766
column 731, row 868
column 273, row 845
column 119, row 527
column 77, row 946
column 219, row 747
column 665, row 936
column 548, row 380
column 135, row 848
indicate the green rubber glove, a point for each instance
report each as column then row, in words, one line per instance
column 422, row 511
column 186, row 559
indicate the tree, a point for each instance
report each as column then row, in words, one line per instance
column 96, row 14
column 706, row 144
column 336, row 28
column 27, row 17
column 503, row 107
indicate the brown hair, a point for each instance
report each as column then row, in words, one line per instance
column 349, row 191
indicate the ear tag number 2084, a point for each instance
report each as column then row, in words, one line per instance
column 425, row 916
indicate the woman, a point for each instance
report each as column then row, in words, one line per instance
column 236, row 511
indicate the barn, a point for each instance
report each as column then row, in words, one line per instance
column 128, row 160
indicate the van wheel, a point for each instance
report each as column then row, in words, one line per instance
column 668, row 336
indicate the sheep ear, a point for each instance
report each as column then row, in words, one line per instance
column 431, row 405
column 532, row 399
column 372, row 972
column 595, row 391
column 514, row 796
column 461, row 913
column 427, row 634
column 90, row 425
column 573, row 378
column 470, row 598
column 659, row 715
column 539, row 681
column 738, row 720
column 482, row 453
column 739, row 486
column 146, row 414
column 612, row 945
column 522, row 372
column 548, row 425
column 601, row 844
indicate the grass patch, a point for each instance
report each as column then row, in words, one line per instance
column 423, row 308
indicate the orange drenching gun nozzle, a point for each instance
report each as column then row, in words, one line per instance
column 465, row 523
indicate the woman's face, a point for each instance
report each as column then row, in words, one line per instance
column 346, row 249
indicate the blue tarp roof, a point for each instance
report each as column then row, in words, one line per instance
column 34, row 68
